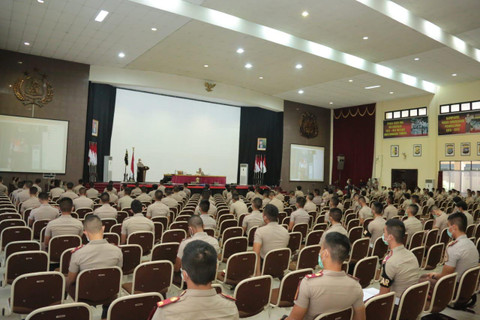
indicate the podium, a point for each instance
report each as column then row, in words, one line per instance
column 141, row 173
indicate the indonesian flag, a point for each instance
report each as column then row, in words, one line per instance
column 257, row 164
column 92, row 154
column 264, row 164
column 132, row 163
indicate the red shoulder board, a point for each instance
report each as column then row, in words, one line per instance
column 314, row 275
column 452, row 243
column 163, row 303
column 77, row 248
column 228, row 297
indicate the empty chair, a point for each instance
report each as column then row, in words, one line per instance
column 82, row 211
column 355, row 233
column 58, row 244
column 132, row 255
column 179, row 225
column 24, row 262
column 154, row 276
column 313, row 237
column 345, row 314
column 165, row 251
column 307, row 258
column 380, row 307
column 117, row 228
column 11, row 234
column 419, row 253
column 224, row 225
column 176, row 235
column 97, row 286
column 253, row 295
column 276, row 262
column 412, row 302
column 320, row 226
column 251, row 235
column 37, row 227
column 470, row 230
column 144, row 239
column 182, row 218
column 134, row 307
column 70, row 311
column 11, row 223
column 19, row 246
column 121, row 215
column 240, row 266
column 302, row 228
column 158, row 231
column 379, row 248
column 108, row 223
column 112, row 238
column 428, row 225
column 442, row 293
column 232, row 232
column 365, row 270
column 467, row 286
column 283, row 295
column 10, row 215
column 232, row 246
column 65, row 261
column 353, row 223
column 434, row 256
column 162, row 220
column 294, row 241
column 416, row 240
column 359, row 251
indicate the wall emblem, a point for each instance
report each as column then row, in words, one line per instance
column 308, row 125
column 33, row 88
column 209, row 86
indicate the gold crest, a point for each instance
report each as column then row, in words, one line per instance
column 209, row 86
column 308, row 125
column 33, row 89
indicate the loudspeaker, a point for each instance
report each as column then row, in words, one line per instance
column 340, row 162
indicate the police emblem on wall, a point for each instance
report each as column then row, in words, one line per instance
column 308, row 125
column 33, row 89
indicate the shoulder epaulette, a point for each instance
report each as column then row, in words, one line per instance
column 165, row 302
column 77, row 248
column 314, row 275
column 452, row 243
column 228, row 297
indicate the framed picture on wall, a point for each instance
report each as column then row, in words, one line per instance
column 394, row 150
column 417, row 150
column 465, row 148
column 449, row 149
column 95, row 128
column 478, row 148
column 261, row 144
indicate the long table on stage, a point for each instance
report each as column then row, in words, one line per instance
column 181, row 178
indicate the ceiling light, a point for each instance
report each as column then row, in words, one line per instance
column 391, row 92
column 154, row 29
column 305, row 13
column 40, row 1
column 350, row 80
column 298, row 66
column 454, row 74
column 121, row 55
column 240, row 50
column 416, row 59
column 20, row 62
column 365, row 38
column 373, row 87
column 300, row 91
column 248, row 66
column 26, row 43
column 205, row 65
column 331, row 102
column 101, row 15
column 261, row 78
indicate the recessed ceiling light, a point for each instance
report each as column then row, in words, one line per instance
column 240, row 50
column 391, row 92
column 154, row 29
column 331, row 102
column 416, row 59
column 350, row 80
column 373, row 87
column 101, row 15
column 298, row 66
column 121, row 55
column 305, row 13
column 205, row 65
column 26, row 43
column 454, row 74
column 248, row 66
column 365, row 38
column 261, row 78
column 300, row 91
column 20, row 62
column 40, row 1
column 10, row 85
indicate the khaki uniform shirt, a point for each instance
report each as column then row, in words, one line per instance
column 317, row 200
column 310, row 206
column 249, row 195
column 44, row 212
column 112, row 197
column 203, row 236
column 64, row 225
column 208, row 221
column 92, row 193
column 239, row 207
column 272, row 236
column 400, row 270
column 198, row 305
column 412, row 225
column 136, row 192
column 365, row 213
column 69, row 194
column 277, row 203
column 39, row 189
column 23, row 195
column 441, row 222
column 95, row 254
column 158, row 209
column 390, row 212
column 254, row 219
column 469, row 217
column 430, row 202
column 3, row 188
column 144, row 198
column 337, row 227
column 114, row 190
column 182, row 194
column 137, row 223
column 328, row 291
column 462, row 255
column 77, row 188
column 280, row 197
column 125, row 202
column 82, row 202
column 170, row 202
column 30, row 203
column 177, row 197
column 106, row 211
column 299, row 216
column 212, row 210
column 265, row 201
column 375, row 228
column 299, row 193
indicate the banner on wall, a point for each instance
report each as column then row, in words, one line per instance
column 410, row 127
column 459, row 123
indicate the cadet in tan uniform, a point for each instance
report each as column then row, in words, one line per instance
column 208, row 221
column 3, row 188
column 65, row 224
column 412, row 224
column 158, row 208
column 136, row 223
column 255, row 218
column 309, row 205
column 365, row 212
column 106, row 211
column 144, row 197
column 299, row 215
column 462, row 207
column 195, row 228
column 82, row 201
column 299, row 192
column 44, row 212
column 238, row 207
column 331, row 289
column 92, row 193
column 200, row 301
column 126, row 200
column 69, row 193
column 275, row 201
column 98, row 253
column 335, row 218
column 212, row 209
column 375, row 227
column 37, row 183
column 400, row 267
column 269, row 237
column 76, row 189
column 390, row 211
column 441, row 219
column 113, row 195
column 168, row 200
column 57, row 191
column 32, row 202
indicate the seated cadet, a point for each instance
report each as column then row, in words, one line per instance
column 390, row 211
column 24, row 193
column 299, row 215
column 32, row 202
column 76, row 189
column 44, row 212
column 461, row 254
column 375, row 227
column 269, row 237
column 158, row 208
column 400, row 267
column 412, row 224
column 126, row 200
column 69, row 193
column 275, row 201
column 3, row 188
column 309, row 205
column 195, row 230
column 186, row 190
column 200, row 301
column 238, row 207
column 250, row 194
column 365, row 212
column 182, row 193
column 65, row 224
column 136, row 191
column 144, row 197
column 168, row 200
column 106, row 211
column 331, row 289
column 299, row 192
column 208, row 221
column 317, row 199
column 151, row 193
column 113, row 195
column 335, row 219
column 416, row 201
column 98, row 253
column 91, row 193
column 82, row 201
column 212, row 209
column 136, row 223
column 253, row 219
column 266, row 199
column 176, row 194
column 462, row 207
column 37, row 183
column 441, row 218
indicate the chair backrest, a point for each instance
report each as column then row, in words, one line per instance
column 431, row 238
column 117, row 228
column 444, row 238
column 355, row 233
column 112, row 238
column 11, row 223
column 82, row 211
column 162, row 220
column 253, row 295
column 308, row 257
column 36, row 290
column 24, row 262
column 70, row 311
column 276, row 262
column 412, row 301
column 366, row 222
column 133, row 307
column 380, row 307
column 443, row 293
column 467, row 285
column 302, row 228
column 419, row 253
column 234, row 245
column 19, row 246
column 365, row 270
column 345, row 314
column 313, row 237
column 10, row 215
column 232, row 232
column 359, row 249
column 37, row 227
column 470, row 230
column 165, row 251
column 434, row 256
column 251, row 235
column 144, row 239
column 428, row 225
column 210, row 231
column 183, row 217
column 240, row 266
column 379, row 248
column 320, row 226
column 98, row 286
column 108, row 223
column 179, row 225
column 153, row 276
column 294, row 241
column 224, row 225
column 65, row 260
column 416, row 240
column 58, row 244
column 176, row 235
column 288, row 287
column 121, row 215
column 353, row 223
column 11, row 234
column 132, row 255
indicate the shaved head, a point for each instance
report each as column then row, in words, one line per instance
column 92, row 224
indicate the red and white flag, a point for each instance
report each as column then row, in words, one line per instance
column 257, row 164
column 264, row 164
column 132, row 164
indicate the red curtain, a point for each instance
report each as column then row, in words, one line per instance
column 353, row 137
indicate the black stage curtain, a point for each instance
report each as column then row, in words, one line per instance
column 101, row 107
column 260, row 123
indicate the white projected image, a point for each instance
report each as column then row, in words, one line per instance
column 33, row 145
column 306, row 163
column 171, row 133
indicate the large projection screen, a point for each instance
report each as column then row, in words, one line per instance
column 173, row 133
column 33, row 145
column 306, row 163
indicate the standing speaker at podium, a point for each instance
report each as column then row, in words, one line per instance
column 141, row 171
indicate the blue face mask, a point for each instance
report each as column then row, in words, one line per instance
column 320, row 262
column 449, row 233
column 383, row 239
